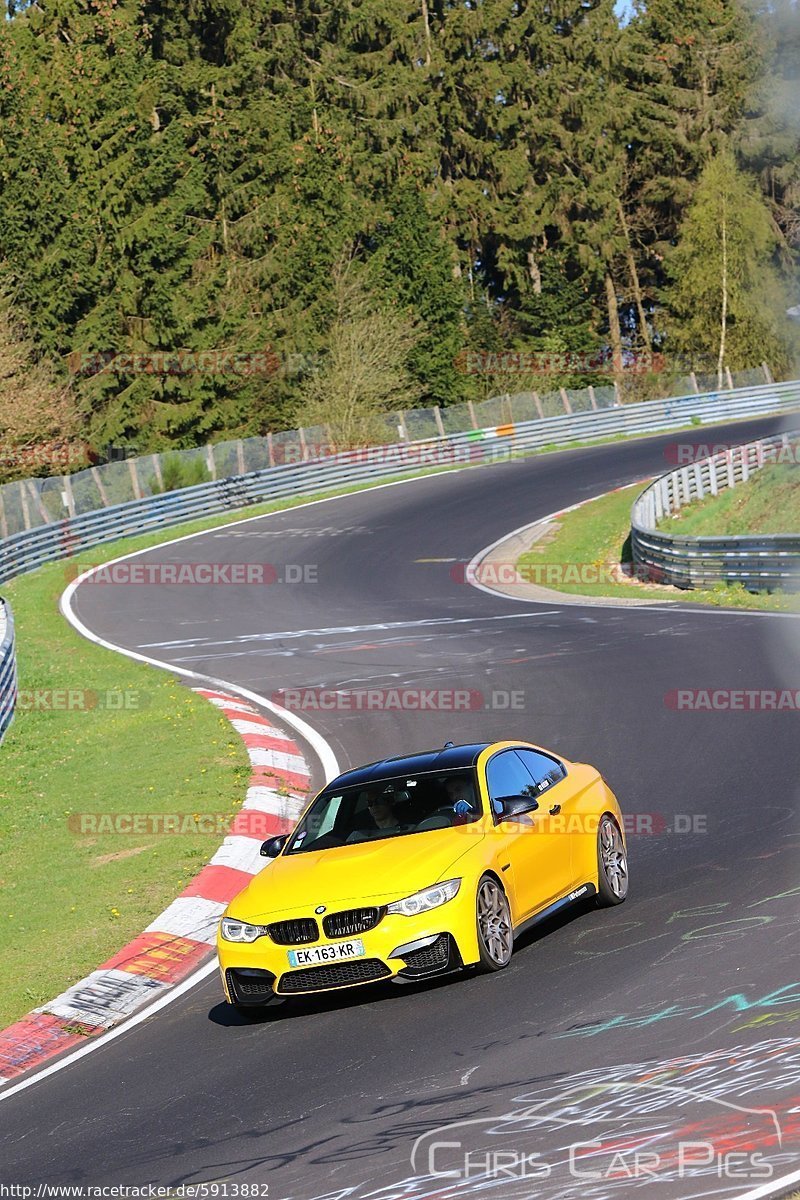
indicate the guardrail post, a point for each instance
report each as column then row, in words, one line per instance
column 767, row 373
column 537, row 401
column 713, row 481
column 693, row 381
column 270, row 450
column 211, row 464
column 401, row 421
column 471, row 411
column 565, row 400
column 592, row 397
column 240, row 456
column 698, row 481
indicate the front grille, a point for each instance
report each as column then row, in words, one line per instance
column 335, row 975
column 250, row 985
column 430, row 958
column 294, row 933
column 351, row 922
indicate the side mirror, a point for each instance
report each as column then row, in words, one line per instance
column 272, row 847
column 514, row 806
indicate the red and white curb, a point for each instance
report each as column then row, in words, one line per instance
column 183, row 935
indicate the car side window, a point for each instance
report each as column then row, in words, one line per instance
column 545, row 770
column 507, row 775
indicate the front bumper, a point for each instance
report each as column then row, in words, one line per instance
column 419, row 947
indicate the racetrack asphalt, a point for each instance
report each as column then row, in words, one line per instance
column 669, row 1020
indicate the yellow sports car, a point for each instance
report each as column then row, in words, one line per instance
column 415, row 866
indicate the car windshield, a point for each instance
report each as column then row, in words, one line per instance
column 388, row 808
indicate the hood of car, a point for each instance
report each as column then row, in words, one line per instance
column 365, row 873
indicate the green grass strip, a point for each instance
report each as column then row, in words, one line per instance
column 594, row 540
column 769, row 502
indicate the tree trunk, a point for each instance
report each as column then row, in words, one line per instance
column 635, row 284
column 534, row 272
column 427, row 25
column 220, row 192
column 614, row 330
column 724, row 317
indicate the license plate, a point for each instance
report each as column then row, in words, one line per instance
column 336, row 952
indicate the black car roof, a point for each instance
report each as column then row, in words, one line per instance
column 446, row 759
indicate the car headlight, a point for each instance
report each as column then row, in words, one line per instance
column 240, row 931
column 428, row 898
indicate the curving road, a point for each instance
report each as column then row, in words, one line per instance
column 656, row 1043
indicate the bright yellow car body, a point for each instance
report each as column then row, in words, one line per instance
column 350, row 914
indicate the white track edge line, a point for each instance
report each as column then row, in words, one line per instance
column 576, row 601
column 320, row 746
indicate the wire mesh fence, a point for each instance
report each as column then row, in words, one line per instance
column 32, row 503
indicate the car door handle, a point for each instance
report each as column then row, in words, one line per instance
column 555, row 809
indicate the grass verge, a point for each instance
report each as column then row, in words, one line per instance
column 768, row 503
column 95, row 734
column 593, row 542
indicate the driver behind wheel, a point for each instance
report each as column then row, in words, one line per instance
column 461, row 795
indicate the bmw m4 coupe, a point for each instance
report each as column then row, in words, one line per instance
column 415, row 866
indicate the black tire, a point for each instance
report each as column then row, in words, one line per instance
column 612, row 863
column 495, row 929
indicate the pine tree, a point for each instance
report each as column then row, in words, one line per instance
column 412, row 263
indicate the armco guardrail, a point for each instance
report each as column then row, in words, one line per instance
column 759, row 562
column 31, row 502
column 8, row 668
column 63, row 539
